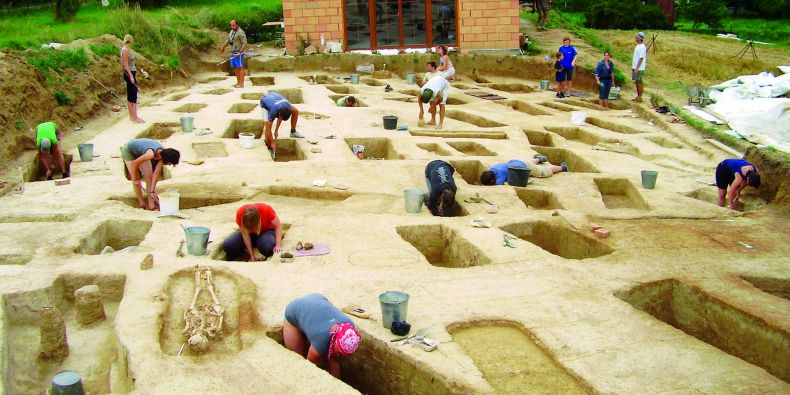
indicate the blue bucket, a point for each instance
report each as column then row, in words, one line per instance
column 67, row 382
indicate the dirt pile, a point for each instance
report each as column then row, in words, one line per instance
column 775, row 173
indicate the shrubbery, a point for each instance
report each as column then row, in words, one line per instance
column 626, row 14
column 66, row 10
column 709, row 12
column 146, row 3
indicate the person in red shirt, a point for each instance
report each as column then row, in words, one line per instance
column 258, row 226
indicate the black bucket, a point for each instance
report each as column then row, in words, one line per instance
column 67, row 382
column 517, row 176
column 390, row 122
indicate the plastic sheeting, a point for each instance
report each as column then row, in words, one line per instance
column 752, row 107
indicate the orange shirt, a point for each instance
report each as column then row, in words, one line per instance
column 265, row 211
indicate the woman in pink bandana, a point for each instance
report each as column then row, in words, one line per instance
column 319, row 331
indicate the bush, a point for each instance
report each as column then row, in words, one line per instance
column 47, row 60
column 146, row 3
column 709, row 12
column 66, row 10
column 105, row 50
column 62, row 98
column 625, row 15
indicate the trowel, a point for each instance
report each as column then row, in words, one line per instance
column 419, row 336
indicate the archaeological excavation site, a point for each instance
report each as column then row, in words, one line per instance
column 597, row 279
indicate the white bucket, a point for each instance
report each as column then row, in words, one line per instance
column 578, row 117
column 168, row 203
column 246, row 140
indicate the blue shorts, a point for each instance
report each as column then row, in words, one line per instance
column 604, row 89
column 559, row 76
column 237, row 61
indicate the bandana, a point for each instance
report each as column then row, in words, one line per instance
column 345, row 339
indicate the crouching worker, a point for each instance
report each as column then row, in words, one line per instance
column 259, row 226
column 48, row 142
column 735, row 174
column 275, row 106
column 146, row 158
column 318, row 331
column 497, row 174
column 347, row 101
column 441, row 188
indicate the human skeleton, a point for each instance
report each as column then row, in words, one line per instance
column 203, row 322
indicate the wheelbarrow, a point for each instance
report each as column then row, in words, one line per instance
column 697, row 94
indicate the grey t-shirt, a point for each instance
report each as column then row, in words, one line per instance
column 131, row 58
column 137, row 147
column 313, row 314
column 237, row 39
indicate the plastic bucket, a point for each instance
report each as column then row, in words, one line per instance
column 411, row 78
column 67, row 382
column 355, row 78
column 168, row 203
column 517, row 176
column 246, row 140
column 359, row 151
column 394, row 307
column 544, row 85
column 578, row 117
column 614, row 93
column 390, row 122
column 86, row 152
column 187, row 124
column 413, row 198
column 197, row 240
column 649, row 179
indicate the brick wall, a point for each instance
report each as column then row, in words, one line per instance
column 310, row 19
column 488, row 24
column 482, row 24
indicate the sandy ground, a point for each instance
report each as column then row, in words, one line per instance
column 580, row 308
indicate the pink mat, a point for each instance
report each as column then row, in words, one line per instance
column 318, row 249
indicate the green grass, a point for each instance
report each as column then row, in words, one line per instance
column 160, row 34
column 48, row 60
column 772, row 31
column 104, row 50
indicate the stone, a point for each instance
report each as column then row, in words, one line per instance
column 63, row 181
column 147, row 262
column 54, row 344
column 595, row 226
column 601, row 233
column 89, row 306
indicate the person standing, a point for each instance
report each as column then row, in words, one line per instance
column 604, row 75
column 735, row 174
column 568, row 63
column 317, row 330
column 48, row 142
column 638, row 65
column 259, row 226
column 543, row 13
column 237, row 39
column 275, row 106
column 130, row 77
column 559, row 75
column 138, row 156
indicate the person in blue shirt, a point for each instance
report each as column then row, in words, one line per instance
column 497, row 174
column 604, row 75
column 275, row 106
column 568, row 63
column 735, row 174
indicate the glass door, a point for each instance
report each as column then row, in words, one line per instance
column 387, row 23
column 413, row 23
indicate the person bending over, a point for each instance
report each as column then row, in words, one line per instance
column 275, row 106
column 48, row 142
column 147, row 157
column 732, row 175
column 441, row 188
column 347, row 101
column 259, row 226
column 497, row 174
column 435, row 93
column 318, row 331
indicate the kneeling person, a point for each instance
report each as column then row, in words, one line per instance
column 441, row 188
column 497, row 174
column 48, row 142
column 259, row 226
column 347, row 101
column 318, row 331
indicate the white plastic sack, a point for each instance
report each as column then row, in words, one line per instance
column 578, row 117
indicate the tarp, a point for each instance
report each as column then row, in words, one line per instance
column 752, row 107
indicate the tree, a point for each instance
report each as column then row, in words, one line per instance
column 65, row 10
column 146, row 3
column 709, row 12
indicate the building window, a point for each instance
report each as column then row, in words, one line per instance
column 373, row 24
column 357, row 24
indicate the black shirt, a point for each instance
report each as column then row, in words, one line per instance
column 440, row 175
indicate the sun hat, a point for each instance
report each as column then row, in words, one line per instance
column 641, row 35
column 345, row 340
column 426, row 96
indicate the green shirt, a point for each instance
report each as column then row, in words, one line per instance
column 341, row 102
column 47, row 130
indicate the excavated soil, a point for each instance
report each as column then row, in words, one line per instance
column 683, row 296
